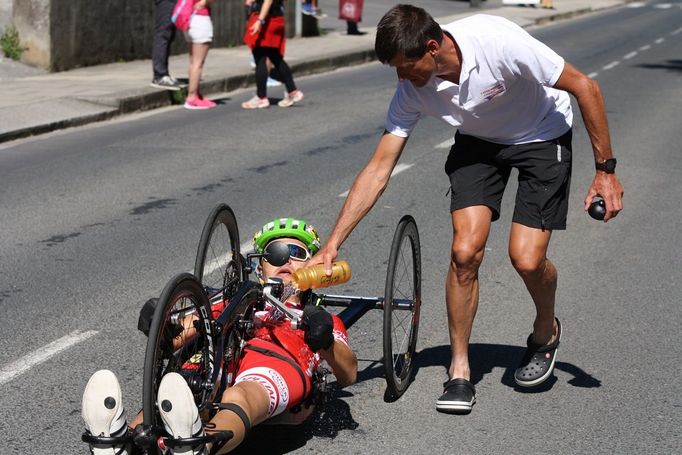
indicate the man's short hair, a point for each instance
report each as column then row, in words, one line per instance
column 405, row 29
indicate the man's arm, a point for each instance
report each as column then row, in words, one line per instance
column 591, row 103
column 365, row 191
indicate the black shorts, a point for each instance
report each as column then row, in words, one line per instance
column 479, row 171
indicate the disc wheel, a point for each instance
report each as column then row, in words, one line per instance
column 219, row 265
column 180, row 340
column 402, row 303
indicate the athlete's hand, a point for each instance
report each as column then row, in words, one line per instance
column 146, row 314
column 318, row 327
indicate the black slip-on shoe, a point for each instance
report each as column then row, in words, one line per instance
column 538, row 362
column 459, row 395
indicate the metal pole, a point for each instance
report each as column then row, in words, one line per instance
column 298, row 23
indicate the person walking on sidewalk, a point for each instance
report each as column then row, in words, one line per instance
column 508, row 96
column 199, row 36
column 266, row 38
column 164, row 34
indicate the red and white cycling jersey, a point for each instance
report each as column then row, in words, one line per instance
column 280, row 378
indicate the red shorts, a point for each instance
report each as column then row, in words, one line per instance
column 270, row 35
column 281, row 379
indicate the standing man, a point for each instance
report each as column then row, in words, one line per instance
column 164, row 33
column 507, row 94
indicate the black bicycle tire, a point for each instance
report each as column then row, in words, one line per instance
column 222, row 214
column 182, row 285
column 397, row 383
column 231, row 321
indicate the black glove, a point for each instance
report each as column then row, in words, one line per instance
column 319, row 327
column 146, row 315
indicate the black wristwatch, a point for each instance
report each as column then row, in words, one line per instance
column 608, row 166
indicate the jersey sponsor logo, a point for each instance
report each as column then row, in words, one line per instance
column 274, row 384
column 209, row 337
column 493, row 91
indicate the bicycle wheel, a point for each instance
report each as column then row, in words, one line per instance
column 181, row 339
column 402, row 302
column 219, row 265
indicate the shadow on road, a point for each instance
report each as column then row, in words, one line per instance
column 485, row 357
column 326, row 422
column 335, row 415
column 670, row 65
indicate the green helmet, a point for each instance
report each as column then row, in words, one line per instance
column 287, row 227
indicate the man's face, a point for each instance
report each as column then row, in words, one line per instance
column 417, row 71
column 285, row 271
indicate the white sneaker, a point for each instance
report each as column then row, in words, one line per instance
column 272, row 82
column 179, row 412
column 102, row 411
column 256, row 103
column 291, row 98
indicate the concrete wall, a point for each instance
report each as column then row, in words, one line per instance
column 5, row 14
column 64, row 34
column 32, row 20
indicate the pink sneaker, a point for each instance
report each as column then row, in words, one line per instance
column 256, row 103
column 291, row 98
column 198, row 103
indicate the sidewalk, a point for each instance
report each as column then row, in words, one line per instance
column 35, row 104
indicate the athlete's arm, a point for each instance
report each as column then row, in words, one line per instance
column 365, row 191
column 343, row 361
column 588, row 95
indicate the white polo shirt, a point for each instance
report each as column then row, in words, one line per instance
column 505, row 92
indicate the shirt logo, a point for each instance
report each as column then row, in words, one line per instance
column 493, row 91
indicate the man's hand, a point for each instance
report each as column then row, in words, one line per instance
column 319, row 328
column 610, row 189
column 325, row 256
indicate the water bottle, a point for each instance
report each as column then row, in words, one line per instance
column 314, row 276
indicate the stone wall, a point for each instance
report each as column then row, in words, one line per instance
column 65, row 34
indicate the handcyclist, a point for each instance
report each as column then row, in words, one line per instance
column 275, row 372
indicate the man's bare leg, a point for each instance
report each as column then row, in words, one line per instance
column 528, row 253
column 471, row 227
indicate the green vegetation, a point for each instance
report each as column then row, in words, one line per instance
column 10, row 44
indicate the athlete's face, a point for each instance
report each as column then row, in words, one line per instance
column 417, row 71
column 285, row 271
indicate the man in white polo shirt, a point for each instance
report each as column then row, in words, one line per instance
column 507, row 95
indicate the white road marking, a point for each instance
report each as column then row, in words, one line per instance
column 10, row 371
column 645, row 47
column 663, row 6
column 446, row 144
column 636, row 5
column 397, row 170
column 592, row 75
column 611, row 65
column 673, row 33
column 630, row 55
column 659, row 40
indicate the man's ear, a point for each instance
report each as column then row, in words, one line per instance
column 432, row 47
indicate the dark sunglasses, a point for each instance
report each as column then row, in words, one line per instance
column 296, row 252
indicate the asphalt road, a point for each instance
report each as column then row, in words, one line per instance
column 96, row 220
